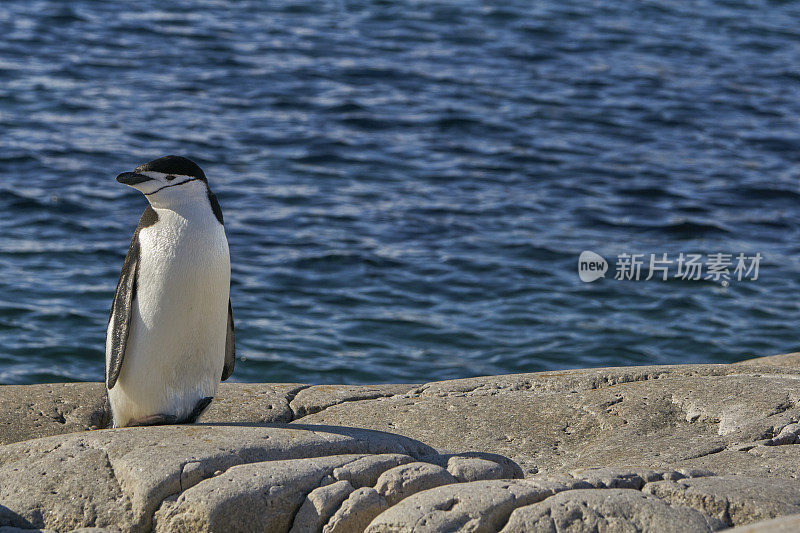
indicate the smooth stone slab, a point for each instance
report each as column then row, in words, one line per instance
column 319, row 506
column 120, row 477
column 11, row 529
column 34, row 411
column 253, row 403
column 753, row 460
column 784, row 524
column 734, row 500
column 663, row 417
column 478, row 507
column 262, row 496
column 217, row 477
column 316, row 398
column 573, row 431
column 587, row 511
column 474, row 466
column 365, row 472
column 404, row 480
column 357, row 511
column 784, row 359
column 467, row 469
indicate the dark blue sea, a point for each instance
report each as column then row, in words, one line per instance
column 407, row 186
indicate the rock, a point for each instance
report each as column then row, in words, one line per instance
column 252, row 403
column 212, row 478
column 788, row 435
column 263, row 496
column 561, row 420
column 617, row 478
column 319, row 506
column 786, row 359
column 626, row 447
column 357, row 511
column 734, row 500
column 404, row 480
column 60, row 483
column 316, row 398
column 784, row 524
column 751, row 460
column 33, row 411
column 479, row 506
column 96, row 530
column 665, row 417
column 365, row 472
column 12, row 529
column 632, row 478
column 487, row 465
column 466, row 469
column 607, row 510
column 120, row 477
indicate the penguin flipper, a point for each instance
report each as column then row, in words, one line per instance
column 230, row 346
column 121, row 311
column 119, row 321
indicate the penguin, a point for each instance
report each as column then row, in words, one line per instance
column 170, row 337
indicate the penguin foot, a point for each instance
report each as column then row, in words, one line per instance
column 154, row 420
column 198, row 409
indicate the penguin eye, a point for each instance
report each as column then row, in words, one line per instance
column 170, row 178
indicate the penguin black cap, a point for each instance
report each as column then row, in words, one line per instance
column 173, row 164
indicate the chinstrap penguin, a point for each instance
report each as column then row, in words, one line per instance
column 170, row 336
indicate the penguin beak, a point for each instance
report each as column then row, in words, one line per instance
column 132, row 178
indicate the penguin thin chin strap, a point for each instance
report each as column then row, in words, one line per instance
column 170, row 185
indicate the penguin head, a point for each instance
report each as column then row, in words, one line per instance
column 167, row 180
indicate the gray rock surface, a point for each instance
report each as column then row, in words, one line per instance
column 588, row 511
column 487, row 505
column 660, row 417
column 319, row 506
column 784, row 524
column 475, row 468
column 366, row 471
column 734, row 500
column 357, row 511
column 262, row 496
column 401, row 481
column 251, row 403
column 479, row 506
column 196, row 478
column 33, row 411
column 315, row 398
column 671, row 448
column 12, row 529
column 784, row 359
column 632, row 478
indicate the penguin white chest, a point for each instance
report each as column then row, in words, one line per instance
column 176, row 346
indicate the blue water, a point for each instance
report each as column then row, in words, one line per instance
column 407, row 185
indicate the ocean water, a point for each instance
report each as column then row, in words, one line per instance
column 407, row 186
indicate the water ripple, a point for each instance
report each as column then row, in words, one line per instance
column 407, row 186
